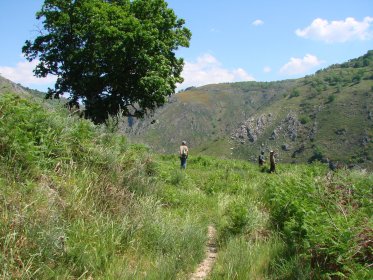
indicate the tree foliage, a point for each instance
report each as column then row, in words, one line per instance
column 111, row 55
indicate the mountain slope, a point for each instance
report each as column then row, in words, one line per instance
column 78, row 201
column 204, row 114
column 8, row 86
column 327, row 115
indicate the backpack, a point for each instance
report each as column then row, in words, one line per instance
column 261, row 159
column 184, row 152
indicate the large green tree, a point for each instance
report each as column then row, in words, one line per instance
column 111, row 55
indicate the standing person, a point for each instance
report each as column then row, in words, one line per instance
column 183, row 152
column 261, row 159
column 272, row 162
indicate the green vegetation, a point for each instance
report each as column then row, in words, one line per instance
column 68, row 208
column 136, row 74
column 79, row 201
column 204, row 116
column 294, row 93
column 304, row 119
column 325, row 220
column 237, row 120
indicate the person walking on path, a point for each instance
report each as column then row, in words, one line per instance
column 183, row 152
column 261, row 159
column 272, row 162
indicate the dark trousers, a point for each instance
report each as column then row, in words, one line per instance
column 183, row 162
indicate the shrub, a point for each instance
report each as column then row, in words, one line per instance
column 323, row 219
column 331, row 98
column 317, row 156
column 294, row 93
column 234, row 220
column 304, row 119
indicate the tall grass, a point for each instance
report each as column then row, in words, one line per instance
column 325, row 219
column 243, row 259
column 79, row 202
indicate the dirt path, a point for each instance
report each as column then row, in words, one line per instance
column 206, row 265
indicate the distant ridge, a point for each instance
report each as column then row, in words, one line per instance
column 325, row 116
column 8, row 86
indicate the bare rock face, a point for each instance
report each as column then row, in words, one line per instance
column 288, row 127
column 341, row 131
column 252, row 128
column 365, row 140
column 251, row 134
column 292, row 125
column 285, row 147
column 275, row 134
column 313, row 132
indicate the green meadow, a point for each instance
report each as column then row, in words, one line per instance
column 79, row 201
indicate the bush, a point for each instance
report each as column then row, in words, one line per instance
column 323, row 219
column 294, row 93
column 304, row 119
column 331, row 98
column 235, row 219
column 317, row 156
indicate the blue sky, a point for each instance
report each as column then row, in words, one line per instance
column 235, row 40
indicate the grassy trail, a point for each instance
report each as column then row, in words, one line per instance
column 79, row 202
column 227, row 194
column 275, row 226
column 204, row 268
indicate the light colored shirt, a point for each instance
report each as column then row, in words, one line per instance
column 183, row 150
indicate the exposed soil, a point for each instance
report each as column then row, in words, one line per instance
column 205, row 267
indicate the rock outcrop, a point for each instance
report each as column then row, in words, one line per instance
column 251, row 129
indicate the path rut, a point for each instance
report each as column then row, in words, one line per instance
column 205, row 267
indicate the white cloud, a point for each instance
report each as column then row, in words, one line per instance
column 300, row 65
column 22, row 73
column 267, row 69
column 208, row 70
column 338, row 31
column 257, row 22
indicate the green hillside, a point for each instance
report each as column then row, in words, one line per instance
column 8, row 86
column 204, row 116
column 77, row 201
column 325, row 116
